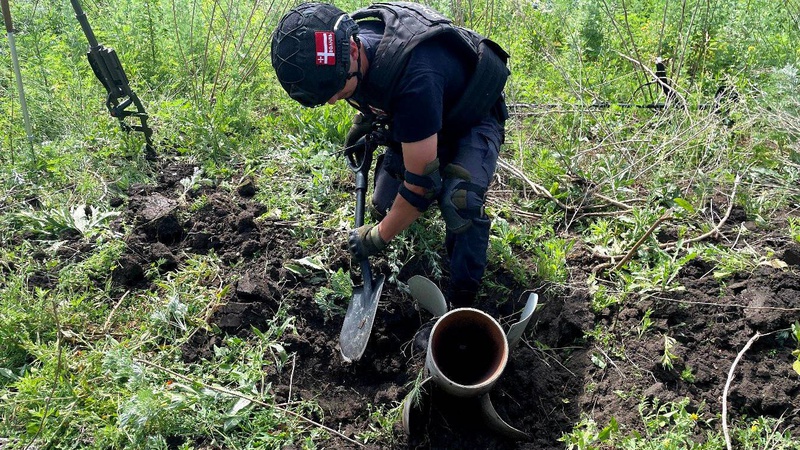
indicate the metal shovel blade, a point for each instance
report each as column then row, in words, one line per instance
column 360, row 315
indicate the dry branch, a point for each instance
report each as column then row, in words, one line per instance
column 728, row 385
column 715, row 230
column 541, row 191
column 641, row 240
column 537, row 188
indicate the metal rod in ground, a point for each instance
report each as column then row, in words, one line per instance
column 15, row 62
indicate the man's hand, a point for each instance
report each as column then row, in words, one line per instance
column 365, row 241
column 360, row 128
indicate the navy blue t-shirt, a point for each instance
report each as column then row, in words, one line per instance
column 432, row 83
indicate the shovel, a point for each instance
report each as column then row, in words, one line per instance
column 360, row 314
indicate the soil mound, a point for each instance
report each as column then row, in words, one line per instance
column 553, row 375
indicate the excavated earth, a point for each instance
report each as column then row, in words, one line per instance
column 556, row 373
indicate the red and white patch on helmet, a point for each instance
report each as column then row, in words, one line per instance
column 326, row 48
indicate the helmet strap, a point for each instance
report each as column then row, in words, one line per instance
column 357, row 73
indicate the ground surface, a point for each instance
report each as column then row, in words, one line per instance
column 553, row 375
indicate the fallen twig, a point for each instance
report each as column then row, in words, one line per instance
column 613, row 202
column 545, row 355
column 719, row 305
column 641, row 240
column 666, row 245
column 237, row 394
column 611, row 361
column 537, row 188
column 113, row 310
column 728, row 385
column 543, row 192
column 291, row 379
column 715, row 230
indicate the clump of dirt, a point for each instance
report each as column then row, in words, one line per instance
column 552, row 376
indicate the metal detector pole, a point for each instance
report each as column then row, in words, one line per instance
column 107, row 67
column 15, row 62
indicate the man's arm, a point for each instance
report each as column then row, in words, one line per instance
column 416, row 156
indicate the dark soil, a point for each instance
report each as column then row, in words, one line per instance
column 552, row 376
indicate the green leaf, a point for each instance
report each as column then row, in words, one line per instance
column 598, row 361
column 305, row 266
column 8, row 373
column 684, row 204
column 240, row 405
column 231, row 423
column 796, row 366
column 311, row 262
column 605, row 433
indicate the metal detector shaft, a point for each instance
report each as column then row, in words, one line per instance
column 108, row 69
column 84, row 21
column 15, row 62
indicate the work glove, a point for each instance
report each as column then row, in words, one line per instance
column 362, row 125
column 365, row 241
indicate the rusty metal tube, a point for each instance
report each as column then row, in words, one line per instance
column 467, row 352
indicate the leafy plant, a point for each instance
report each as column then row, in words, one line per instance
column 794, row 228
column 383, row 420
column 329, row 299
column 85, row 220
column 687, row 374
column 667, row 356
column 796, row 352
column 645, row 323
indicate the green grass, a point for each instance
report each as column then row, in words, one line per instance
column 671, row 425
column 79, row 370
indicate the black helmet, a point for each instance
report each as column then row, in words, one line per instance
column 311, row 52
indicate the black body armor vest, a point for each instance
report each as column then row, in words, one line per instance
column 406, row 25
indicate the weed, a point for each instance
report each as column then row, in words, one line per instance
column 687, row 374
column 83, row 219
column 587, row 435
column 330, row 299
column 764, row 433
column 383, row 419
column 666, row 426
column 794, row 228
column 645, row 323
column 502, row 241
column 796, row 351
column 551, row 262
column 191, row 183
column 199, row 203
column 603, row 296
column 172, row 314
column 667, row 357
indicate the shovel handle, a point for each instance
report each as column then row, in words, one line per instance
column 359, row 159
column 361, row 194
column 7, row 16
